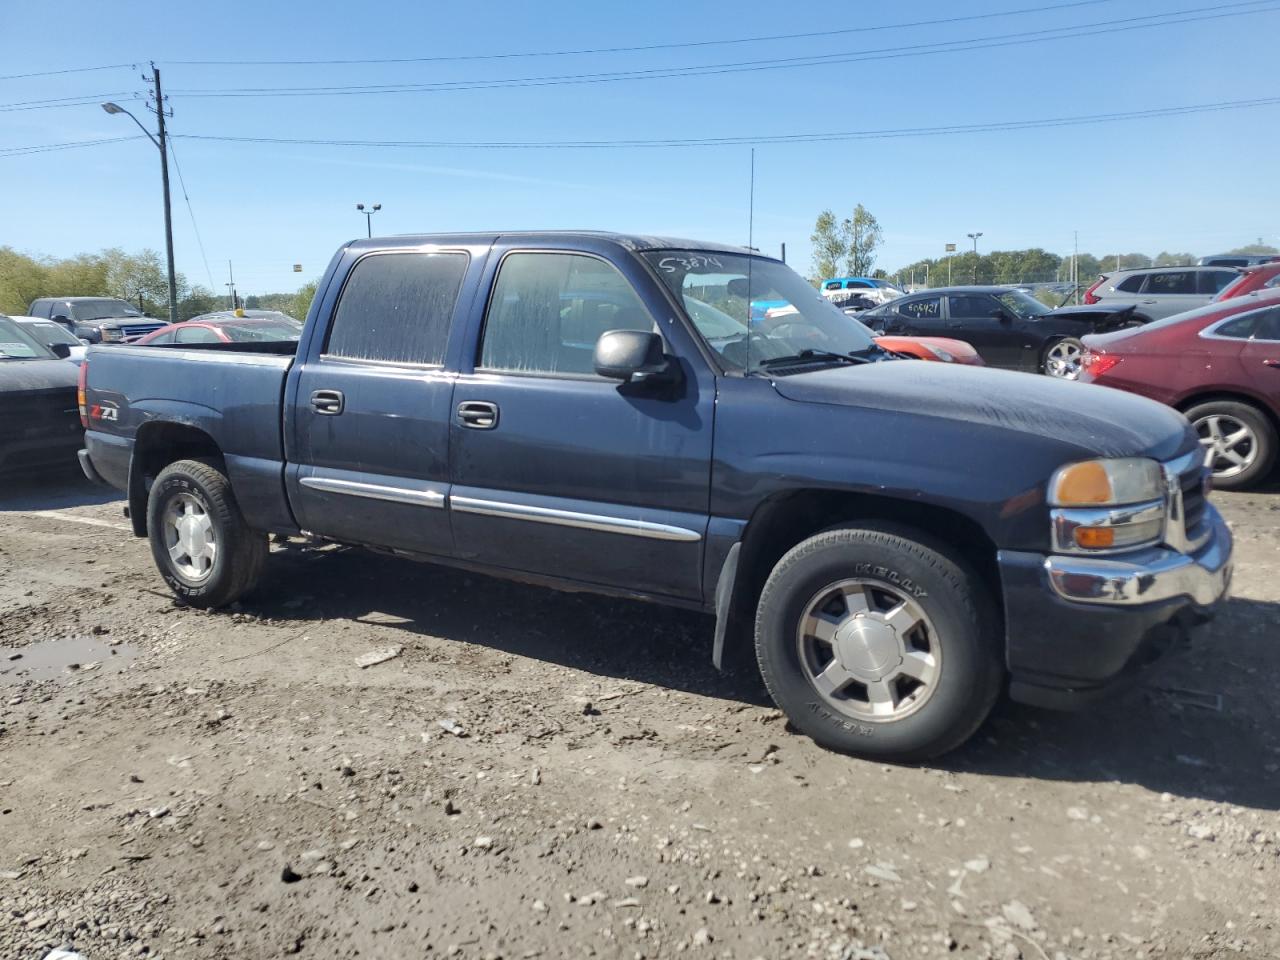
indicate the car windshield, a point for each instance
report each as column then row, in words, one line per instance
column 734, row 298
column 102, row 309
column 258, row 330
column 17, row 344
column 1023, row 305
column 50, row 332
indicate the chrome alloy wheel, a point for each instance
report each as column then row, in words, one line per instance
column 869, row 650
column 190, row 537
column 1232, row 444
column 1064, row 360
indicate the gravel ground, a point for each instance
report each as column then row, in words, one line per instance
column 542, row 774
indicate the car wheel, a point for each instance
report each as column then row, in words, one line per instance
column 202, row 546
column 878, row 643
column 1062, row 359
column 1241, row 441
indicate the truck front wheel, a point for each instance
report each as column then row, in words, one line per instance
column 202, row 546
column 878, row 643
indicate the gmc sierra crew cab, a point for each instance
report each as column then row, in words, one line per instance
column 900, row 541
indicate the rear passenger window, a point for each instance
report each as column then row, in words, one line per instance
column 1212, row 281
column 1174, row 281
column 1238, row 328
column 197, row 335
column 928, row 308
column 1131, row 284
column 549, row 309
column 1268, row 325
column 397, row 307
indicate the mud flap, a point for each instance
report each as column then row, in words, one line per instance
column 724, row 598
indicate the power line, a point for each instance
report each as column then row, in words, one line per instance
column 1197, row 14
column 995, row 126
column 648, row 47
column 49, row 147
column 893, row 133
column 54, row 73
column 183, row 183
column 78, row 101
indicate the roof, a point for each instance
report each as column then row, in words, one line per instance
column 990, row 288
column 105, row 296
column 637, row 243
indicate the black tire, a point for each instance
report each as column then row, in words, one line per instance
column 241, row 551
column 952, row 596
column 1072, row 342
column 1263, row 440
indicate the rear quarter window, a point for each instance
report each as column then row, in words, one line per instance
column 1131, row 284
column 397, row 308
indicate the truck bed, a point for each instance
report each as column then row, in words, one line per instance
column 232, row 394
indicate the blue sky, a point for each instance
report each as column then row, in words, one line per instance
column 1199, row 182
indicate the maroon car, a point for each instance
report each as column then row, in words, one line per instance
column 1220, row 365
column 1262, row 277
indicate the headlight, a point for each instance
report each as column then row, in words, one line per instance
column 1107, row 505
column 1100, row 483
column 110, row 335
column 940, row 353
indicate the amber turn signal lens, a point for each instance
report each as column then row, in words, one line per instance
column 1096, row 538
column 1084, row 483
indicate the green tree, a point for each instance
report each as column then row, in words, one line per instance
column 302, row 300
column 144, row 273
column 1256, row 248
column 830, row 246
column 197, row 301
column 862, row 237
column 1166, row 259
column 22, row 279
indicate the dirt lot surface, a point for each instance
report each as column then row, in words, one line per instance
column 542, row 774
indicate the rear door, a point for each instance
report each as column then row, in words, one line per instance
column 1167, row 292
column 369, row 458
column 917, row 317
column 1000, row 340
column 558, row 471
column 1260, row 358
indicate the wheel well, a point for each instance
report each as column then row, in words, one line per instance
column 785, row 520
column 157, row 445
column 1182, row 406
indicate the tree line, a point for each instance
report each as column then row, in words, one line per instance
column 140, row 278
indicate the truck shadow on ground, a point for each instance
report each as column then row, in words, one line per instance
column 1167, row 735
column 53, row 490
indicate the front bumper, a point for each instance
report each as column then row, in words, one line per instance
column 1079, row 627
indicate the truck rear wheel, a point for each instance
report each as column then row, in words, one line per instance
column 878, row 643
column 202, row 546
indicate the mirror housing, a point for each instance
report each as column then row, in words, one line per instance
column 61, row 318
column 1002, row 315
column 61, row 350
column 634, row 356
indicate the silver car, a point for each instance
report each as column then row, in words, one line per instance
column 1160, row 292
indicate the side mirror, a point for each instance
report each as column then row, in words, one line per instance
column 1002, row 315
column 634, row 356
column 738, row 287
column 61, row 350
column 61, row 318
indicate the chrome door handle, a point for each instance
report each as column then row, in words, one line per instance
column 478, row 414
column 328, row 402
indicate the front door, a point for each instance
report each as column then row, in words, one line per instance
column 559, row 472
column 371, row 406
column 1260, row 357
column 994, row 331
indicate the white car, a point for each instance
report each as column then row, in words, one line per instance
column 49, row 333
column 839, row 289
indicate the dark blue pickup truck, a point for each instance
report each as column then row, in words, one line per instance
column 603, row 412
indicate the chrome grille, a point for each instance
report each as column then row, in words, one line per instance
column 131, row 330
column 1185, row 527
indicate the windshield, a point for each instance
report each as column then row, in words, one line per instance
column 788, row 317
column 260, row 330
column 1023, row 305
column 51, row 332
column 17, row 344
column 102, row 309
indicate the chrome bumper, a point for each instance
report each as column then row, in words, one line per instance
column 1151, row 575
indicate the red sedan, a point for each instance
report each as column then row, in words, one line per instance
column 241, row 327
column 1220, row 365
column 1262, row 277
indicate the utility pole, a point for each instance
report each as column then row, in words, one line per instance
column 231, row 286
column 1075, row 265
column 168, row 214
column 784, row 251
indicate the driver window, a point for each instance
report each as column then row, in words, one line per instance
column 548, row 310
column 971, row 308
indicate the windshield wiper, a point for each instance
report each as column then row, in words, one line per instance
column 809, row 354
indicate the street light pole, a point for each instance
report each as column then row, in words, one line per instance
column 113, row 108
column 974, row 237
column 368, row 215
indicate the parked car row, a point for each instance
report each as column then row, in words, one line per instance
column 39, row 423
